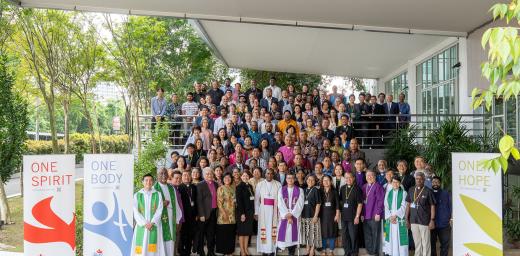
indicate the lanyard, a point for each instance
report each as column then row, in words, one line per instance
column 349, row 192
column 417, row 196
column 308, row 193
column 368, row 192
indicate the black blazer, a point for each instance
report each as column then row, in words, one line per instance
column 204, row 199
column 187, row 192
column 245, row 205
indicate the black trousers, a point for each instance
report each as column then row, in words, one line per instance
column 187, row 238
column 444, row 236
column 372, row 231
column 292, row 249
column 349, row 236
column 207, row 234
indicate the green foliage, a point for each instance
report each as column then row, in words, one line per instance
column 513, row 230
column 451, row 136
column 282, row 79
column 13, row 123
column 79, row 145
column 403, row 147
column 502, row 70
column 154, row 151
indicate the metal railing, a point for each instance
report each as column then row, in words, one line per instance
column 370, row 133
column 179, row 129
column 375, row 131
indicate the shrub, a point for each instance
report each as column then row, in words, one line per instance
column 80, row 144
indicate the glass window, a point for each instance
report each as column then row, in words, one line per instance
column 437, row 81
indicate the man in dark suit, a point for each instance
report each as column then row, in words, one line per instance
column 376, row 118
column 207, row 212
column 361, row 111
column 239, row 164
column 188, row 193
column 268, row 100
column 391, row 110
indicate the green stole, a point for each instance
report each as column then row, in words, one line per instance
column 403, row 231
column 139, row 236
column 167, row 235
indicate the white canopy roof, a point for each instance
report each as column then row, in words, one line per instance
column 365, row 38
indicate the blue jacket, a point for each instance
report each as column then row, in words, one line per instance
column 442, row 208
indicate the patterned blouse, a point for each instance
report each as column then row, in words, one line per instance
column 226, row 205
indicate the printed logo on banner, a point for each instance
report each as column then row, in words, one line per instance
column 477, row 206
column 58, row 230
column 116, row 228
column 108, row 205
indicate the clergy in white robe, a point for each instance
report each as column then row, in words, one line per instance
column 266, row 210
column 171, row 213
column 147, row 239
column 395, row 232
column 290, row 206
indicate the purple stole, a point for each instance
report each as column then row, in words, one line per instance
column 284, row 223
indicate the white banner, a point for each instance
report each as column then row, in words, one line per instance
column 477, row 206
column 108, row 199
column 49, row 205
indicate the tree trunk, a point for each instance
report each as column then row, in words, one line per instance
column 52, row 125
column 66, row 137
column 88, row 116
column 5, row 213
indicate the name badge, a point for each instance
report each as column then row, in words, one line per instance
column 306, row 202
column 345, row 205
column 365, row 201
column 192, row 204
column 412, row 205
column 252, row 198
column 328, row 204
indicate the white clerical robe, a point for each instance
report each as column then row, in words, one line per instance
column 170, row 245
column 296, row 212
column 141, row 220
column 393, row 247
column 267, row 214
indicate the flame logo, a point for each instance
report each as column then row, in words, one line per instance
column 58, row 230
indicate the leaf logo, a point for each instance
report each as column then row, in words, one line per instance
column 488, row 221
column 58, row 230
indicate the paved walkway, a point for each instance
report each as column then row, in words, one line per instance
column 12, row 187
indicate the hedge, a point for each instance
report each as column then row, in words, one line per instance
column 79, row 145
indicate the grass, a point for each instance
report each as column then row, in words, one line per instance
column 12, row 235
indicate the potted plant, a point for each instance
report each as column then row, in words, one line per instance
column 513, row 233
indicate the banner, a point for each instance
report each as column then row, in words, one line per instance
column 108, row 202
column 49, row 205
column 477, row 206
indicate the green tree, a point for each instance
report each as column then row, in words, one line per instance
column 13, row 124
column 43, row 37
column 503, row 72
column 282, row 79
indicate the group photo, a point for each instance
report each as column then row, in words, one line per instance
column 162, row 128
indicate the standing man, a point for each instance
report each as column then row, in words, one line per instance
column 290, row 206
column 268, row 99
column 207, row 211
column 442, row 230
column 148, row 207
column 215, row 93
column 391, row 111
column 361, row 113
column 266, row 212
column 227, row 86
column 373, row 197
column 188, row 193
column 254, row 90
column 404, row 112
column 351, row 201
column 171, row 213
column 199, row 92
column 277, row 92
column 420, row 213
column 177, row 181
column 158, row 107
column 173, row 111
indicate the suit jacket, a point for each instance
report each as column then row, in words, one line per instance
column 189, row 195
column 204, row 199
column 265, row 104
column 231, row 167
column 391, row 118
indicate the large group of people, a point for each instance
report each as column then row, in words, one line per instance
column 287, row 167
